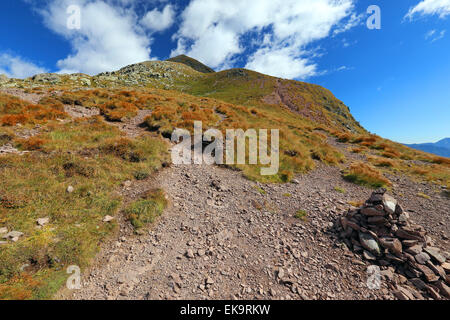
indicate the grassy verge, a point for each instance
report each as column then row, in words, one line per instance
column 92, row 157
column 366, row 175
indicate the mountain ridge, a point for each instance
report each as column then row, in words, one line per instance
column 440, row 148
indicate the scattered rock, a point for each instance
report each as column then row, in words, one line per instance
column 108, row 219
column 127, row 184
column 189, row 253
column 42, row 221
column 13, row 236
column 422, row 258
column 85, row 82
column 435, row 254
column 70, row 189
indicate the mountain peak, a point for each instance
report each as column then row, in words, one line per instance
column 194, row 64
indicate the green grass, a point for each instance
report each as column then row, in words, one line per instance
column 260, row 190
column 34, row 186
column 340, row 189
column 423, row 195
column 147, row 209
column 301, row 215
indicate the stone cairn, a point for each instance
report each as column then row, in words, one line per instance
column 383, row 234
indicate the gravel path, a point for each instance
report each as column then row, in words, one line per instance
column 225, row 237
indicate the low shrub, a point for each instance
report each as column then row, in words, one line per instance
column 363, row 174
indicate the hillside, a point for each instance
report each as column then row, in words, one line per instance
column 85, row 169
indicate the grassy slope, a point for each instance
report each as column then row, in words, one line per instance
column 88, row 154
column 249, row 88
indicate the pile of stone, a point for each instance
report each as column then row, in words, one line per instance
column 381, row 231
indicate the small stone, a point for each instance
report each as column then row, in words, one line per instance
column 389, row 203
column 209, row 281
column 410, row 243
column 402, row 292
column 428, row 273
column 369, row 256
column 392, row 244
column 70, row 189
column 201, row 252
column 403, row 219
column 443, row 289
column 13, row 235
column 280, row 273
column 376, row 220
column 446, row 267
column 189, row 253
column 438, row 270
column 418, row 283
column 42, row 221
column 400, row 295
column 434, row 253
column 433, row 293
column 108, row 219
column 372, row 212
column 422, row 258
column 369, row 243
column 127, row 184
column 415, row 250
column 388, row 274
column 3, row 230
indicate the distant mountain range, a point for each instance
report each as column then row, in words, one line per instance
column 440, row 148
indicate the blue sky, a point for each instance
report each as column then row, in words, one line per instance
column 395, row 80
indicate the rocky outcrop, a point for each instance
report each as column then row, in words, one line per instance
column 157, row 73
column 3, row 78
column 383, row 233
column 47, row 78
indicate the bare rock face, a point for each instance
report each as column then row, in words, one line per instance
column 391, row 240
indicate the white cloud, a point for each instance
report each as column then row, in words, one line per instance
column 159, row 20
column 434, row 35
column 214, row 31
column 281, row 62
column 430, row 7
column 109, row 38
column 17, row 67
